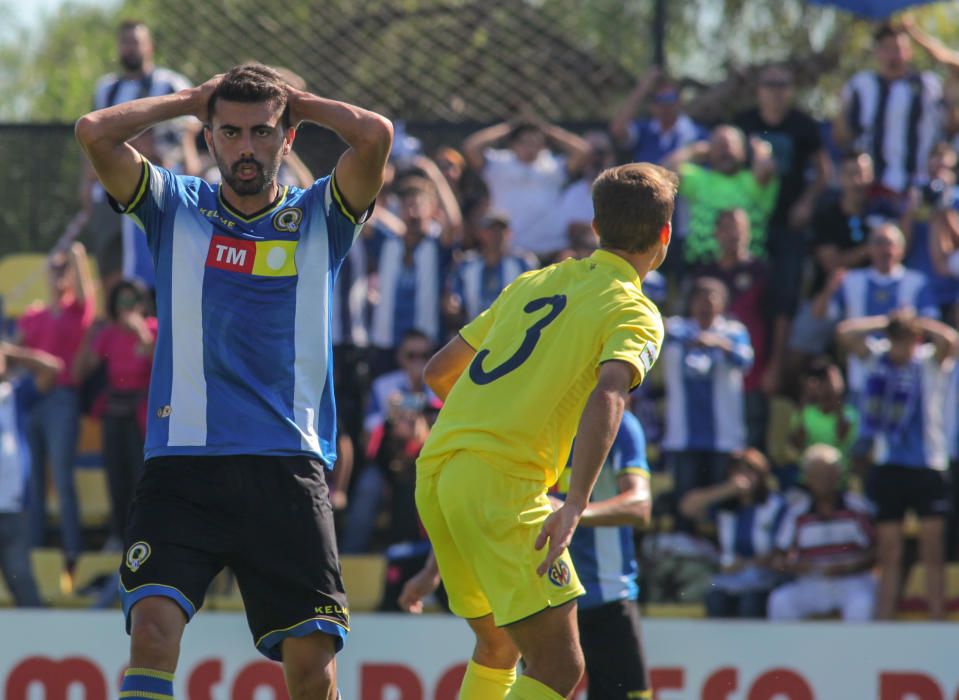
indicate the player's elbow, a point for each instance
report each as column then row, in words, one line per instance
column 642, row 513
column 433, row 374
column 377, row 135
column 88, row 131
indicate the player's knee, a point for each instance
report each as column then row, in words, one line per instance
column 311, row 682
column 560, row 670
column 154, row 642
column 496, row 653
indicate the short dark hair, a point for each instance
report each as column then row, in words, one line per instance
column 119, row 288
column 131, row 24
column 414, row 334
column 755, row 461
column 413, row 185
column 632, row 203
column 852, row 154
column 709, row 285
column 886, row 30
column 252, row 82
column 903, row 325
column 519, row 128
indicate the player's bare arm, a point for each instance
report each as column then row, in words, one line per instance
column 597, row 430
column 632, row 506
column 103, row 134
column 359, row 171
column 422, row 584
column 446, row 366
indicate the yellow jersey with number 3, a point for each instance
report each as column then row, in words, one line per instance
column 539, row 349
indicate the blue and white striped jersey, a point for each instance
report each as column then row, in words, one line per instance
column 704, row 387
column 605, row 557
column 243, row 358
column 865, row 292
column 904, row 408
column 478, row 284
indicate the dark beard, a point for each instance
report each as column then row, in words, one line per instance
column 134, row 64
column 264, row 177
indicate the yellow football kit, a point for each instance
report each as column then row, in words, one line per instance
column 506, row 428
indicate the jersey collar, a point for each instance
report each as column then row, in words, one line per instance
column 268, row 209
column 604, row 257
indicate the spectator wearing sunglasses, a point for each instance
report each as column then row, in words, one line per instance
column 59, row 328
column 663, row 130
column 804, row 170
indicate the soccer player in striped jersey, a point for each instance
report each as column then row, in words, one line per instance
column 554, row 356
column 604, row 554
column 241, row 410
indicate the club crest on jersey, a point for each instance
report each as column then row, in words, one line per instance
column 559, row 573
column 138, row 553
column 288, row 219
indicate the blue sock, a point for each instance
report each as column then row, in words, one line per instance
column 147, row 684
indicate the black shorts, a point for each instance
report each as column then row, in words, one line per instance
column 896, row 489
column 612, row 644
column 267, row 518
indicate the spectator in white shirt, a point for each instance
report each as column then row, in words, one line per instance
column 526, row 178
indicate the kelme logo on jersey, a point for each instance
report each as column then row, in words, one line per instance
column 559, row 573
column 138, row 553
column 259, row 258
column 288, row 219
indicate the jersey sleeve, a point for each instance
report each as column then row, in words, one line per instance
column 155, row 201
column 741, row 353
column 636, row 338
column 341, row 224
column 628, row 454
column 475, row 332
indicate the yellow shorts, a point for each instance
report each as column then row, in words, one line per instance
column 483, row 524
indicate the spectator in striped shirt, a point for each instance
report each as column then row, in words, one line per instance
column 829, row 545
column 902, row 432
column 482, row 274
column 886, row 286
column 747, row 518
column 893, row 112
column 705, row 356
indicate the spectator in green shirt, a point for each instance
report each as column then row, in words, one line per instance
column 714, row 176
column 823, row 416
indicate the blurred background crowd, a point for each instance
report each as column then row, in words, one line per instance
column 801, row 425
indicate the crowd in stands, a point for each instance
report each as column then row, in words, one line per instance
column 812, row 266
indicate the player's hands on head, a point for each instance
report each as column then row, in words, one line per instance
column 557, row 531
column 293, row 100
column 201, row 96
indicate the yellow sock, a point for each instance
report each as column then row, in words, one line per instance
column 526, row 688
column 484, row 683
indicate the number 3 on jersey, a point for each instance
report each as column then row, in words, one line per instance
column 481, row 376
